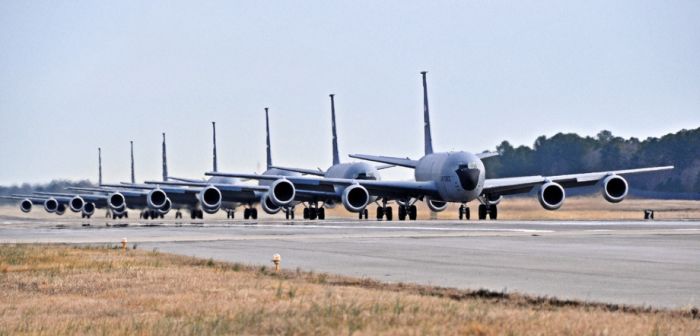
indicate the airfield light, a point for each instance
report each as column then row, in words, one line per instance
column 124, row 245
column 277, row 259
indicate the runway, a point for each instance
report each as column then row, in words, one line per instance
column 639, row 263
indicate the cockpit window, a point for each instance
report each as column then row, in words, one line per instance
column 364, row 176
column 468, row 176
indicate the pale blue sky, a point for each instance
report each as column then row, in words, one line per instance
column 75, row 75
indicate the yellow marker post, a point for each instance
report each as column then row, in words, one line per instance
column 124, row 245
column 277, row 259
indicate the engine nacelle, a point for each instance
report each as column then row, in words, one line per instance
column 156, row 198
column 119, row 211
column 25, row 205
column 61, row 209
column 210, row 199
column 282, row 192
column 166, row 207
column 116, row 201
column 355, row 198
column 615, row 188
column 436, row 205
column 51, row 205
column 88, row 209
column 76, row 204
column 551, row 195
column 268, row 205
column 330, row 204
column 493, row 199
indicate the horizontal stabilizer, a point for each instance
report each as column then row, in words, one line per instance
column 403, row 162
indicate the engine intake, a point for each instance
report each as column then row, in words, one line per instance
column 25, row 205
column 116, row 201
column 436, row 205
column 210, row 199
column 282, row 192
column 51, row 205
column 76, row 204
column 551, row 196
column 156, row 198
column 268, row 205
column 355, row 198
column 88, row 209
column 615, row 188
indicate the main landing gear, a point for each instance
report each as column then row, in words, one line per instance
column 196, row 214
column 230, row 213
column 250, row 213
column 314, row 211
column 150, row 214
column 405, row 209
column 490, row 210
column 289, row 212
column 464, row 212
column 364, row 213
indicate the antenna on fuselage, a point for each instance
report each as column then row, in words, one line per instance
column 213, row 125
column 267, row 132
column 99, row 166
column 165, row 161
column 426, row 117
column 336, row 156
column 133, row 177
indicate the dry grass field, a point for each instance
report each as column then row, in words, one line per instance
column 513, row 208
column 58, row 289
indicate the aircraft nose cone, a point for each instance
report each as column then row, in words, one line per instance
column 468, row 177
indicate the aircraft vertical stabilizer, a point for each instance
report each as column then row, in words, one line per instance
column 99, row 165
column 214, row 159
column 133, row 177
column 165, row 161
column 426, row 117
column 267, row 132
column 336, row 156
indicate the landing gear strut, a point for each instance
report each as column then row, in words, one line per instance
column 178, row 214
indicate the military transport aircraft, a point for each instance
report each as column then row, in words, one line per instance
column 455, row 177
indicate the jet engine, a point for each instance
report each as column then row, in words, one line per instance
column 551, row 196
column 615, row 188
column 494, row 200
column 76, row 204
column 61, row 209
column 282, row 192
column 268, row 206
column 436, row 205
column 355, row 198
column 156, row 198
column 88, row 209
column 210, row 199
column 329, row 204
column 25, row 205
column 118, row 212
column 166, row 207
column 50, row 205
column 116, row 202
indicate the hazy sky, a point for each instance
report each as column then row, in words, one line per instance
column 76, row 75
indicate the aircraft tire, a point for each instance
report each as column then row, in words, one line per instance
column 254, row 213
column 389, row 213
column 321, row 213
column 380, row 213
column 482, row 211
column 467, row 213
column 412, row 212
column 493, row 212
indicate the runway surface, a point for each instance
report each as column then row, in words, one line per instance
column 639, row 263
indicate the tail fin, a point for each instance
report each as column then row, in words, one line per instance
column 336, row 156
column 99, row 165
column 133, row 177
column 165, row 161
column 213, row 125
column 267, row 131
column 426, row 117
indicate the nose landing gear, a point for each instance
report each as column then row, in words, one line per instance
column 464, row 212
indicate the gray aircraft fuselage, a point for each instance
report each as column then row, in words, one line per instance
column 459, row 176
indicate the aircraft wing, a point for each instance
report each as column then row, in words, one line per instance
column 301, row 170
column 182, row 179
column 389, row 189
column 518, row 185
column 403, row 162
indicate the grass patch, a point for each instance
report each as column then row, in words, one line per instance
column 61, row 289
